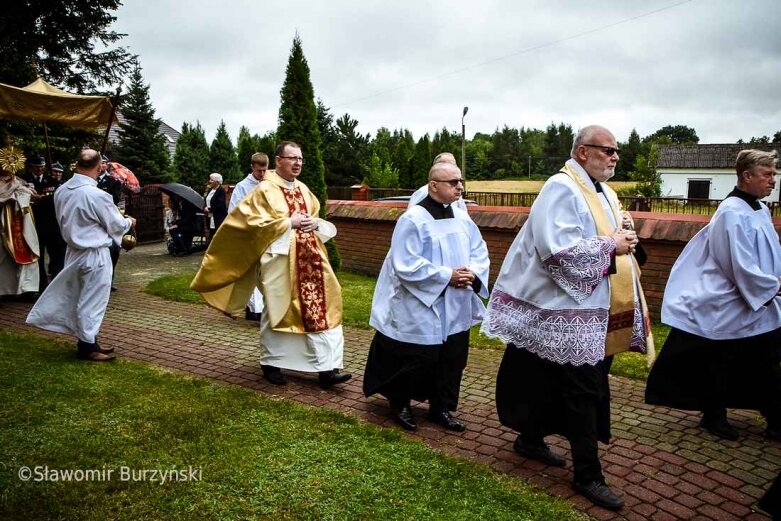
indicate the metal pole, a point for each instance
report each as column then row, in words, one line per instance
column 48, row 147
column 110, row 120
column 463, row 147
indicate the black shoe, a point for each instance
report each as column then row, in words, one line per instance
column 773, row 433
column 330, row 378
column 273, row 375
column 250, row 315
column 720, row 428
column 405, row 418
column 444, row 419
column 113, row 289
column 600, row 494
column 538, row 452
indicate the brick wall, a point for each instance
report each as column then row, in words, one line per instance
column 365, row 230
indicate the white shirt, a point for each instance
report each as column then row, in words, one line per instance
column 242, row 188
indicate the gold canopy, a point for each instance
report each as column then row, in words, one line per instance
column 40, row 101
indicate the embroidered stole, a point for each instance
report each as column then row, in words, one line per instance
column 622, row 305
column 308, row 269
column 13, row 234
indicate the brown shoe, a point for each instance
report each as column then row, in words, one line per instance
column 104, row 350
column 95, row 356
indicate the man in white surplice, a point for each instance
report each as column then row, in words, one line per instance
column 427, row 297
column 259, row 165
column 722, row 300
column 566, row 299
column 75, row 301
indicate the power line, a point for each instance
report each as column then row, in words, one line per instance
column 511, row 55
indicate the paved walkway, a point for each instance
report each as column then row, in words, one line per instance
column 665, row 467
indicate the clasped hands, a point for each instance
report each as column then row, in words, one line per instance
column 626, row 241
column 303, row 221
column 461, row 278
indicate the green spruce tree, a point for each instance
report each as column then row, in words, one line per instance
column 245, row 147
column 141, row 147
column 191, row 160
column 421, row 162
column 222, row 156
column 298, row 123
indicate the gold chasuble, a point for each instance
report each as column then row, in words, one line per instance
column 299, row 287
column 12, row 222
column 622, row 305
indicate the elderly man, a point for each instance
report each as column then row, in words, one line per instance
column 427, row 298
column 275, row 231
column 75, row 302
column 49, row 240
column 568, row 298
column 722, row 300
column 259, row 165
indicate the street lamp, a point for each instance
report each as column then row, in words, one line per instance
column 463, row 147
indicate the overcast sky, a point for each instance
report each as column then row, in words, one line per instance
column 714, row 65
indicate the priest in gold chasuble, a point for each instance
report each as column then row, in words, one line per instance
column 274, row 240
column 19, row 249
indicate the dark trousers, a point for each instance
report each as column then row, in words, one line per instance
column 50, row 242
column 114, row 252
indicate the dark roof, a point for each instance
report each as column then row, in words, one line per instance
column 705, row 156
column 171, row 134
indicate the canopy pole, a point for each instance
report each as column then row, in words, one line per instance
column 48, row 146
column 110, row 120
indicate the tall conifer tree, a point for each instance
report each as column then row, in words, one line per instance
column 222, row 156
column 191, row 161
column 245, row 147
column 141, row 147
column 298, row 122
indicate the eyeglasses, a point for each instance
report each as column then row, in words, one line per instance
column 607, row 150
column 294, row 159
column 451, row 182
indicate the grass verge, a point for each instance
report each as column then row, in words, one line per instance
column 255, row 457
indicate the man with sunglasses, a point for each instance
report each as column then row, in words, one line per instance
column 567, row 298
column 427, row 297
column 274, row 233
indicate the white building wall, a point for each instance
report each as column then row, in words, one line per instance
column 675, row 182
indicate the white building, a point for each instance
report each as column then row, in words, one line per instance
column 703, row 171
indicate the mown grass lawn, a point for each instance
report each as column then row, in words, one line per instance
column 255, row 457
column 357, row 292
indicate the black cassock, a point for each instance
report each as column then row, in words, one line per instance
column 401, row 371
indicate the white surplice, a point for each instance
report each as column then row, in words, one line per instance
column 16, row 279
column 552, row 295
column 75, row 301
column 413, row 301
column 724, row 284
column 240, row 191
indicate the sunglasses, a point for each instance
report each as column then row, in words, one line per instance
column 451, row 182
column 607, row 150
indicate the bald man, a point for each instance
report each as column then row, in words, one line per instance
column 427, row 297
column 569, row 273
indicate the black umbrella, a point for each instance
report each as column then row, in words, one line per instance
column 185, row 192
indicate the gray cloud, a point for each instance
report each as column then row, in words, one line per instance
column 712, row 65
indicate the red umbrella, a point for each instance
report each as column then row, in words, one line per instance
column 123, row 174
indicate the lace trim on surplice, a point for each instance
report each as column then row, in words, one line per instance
column 580, row 268
column 564, row 336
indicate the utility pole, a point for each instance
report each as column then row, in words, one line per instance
column 463, row 147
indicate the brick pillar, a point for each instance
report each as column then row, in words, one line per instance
column 359, row 192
